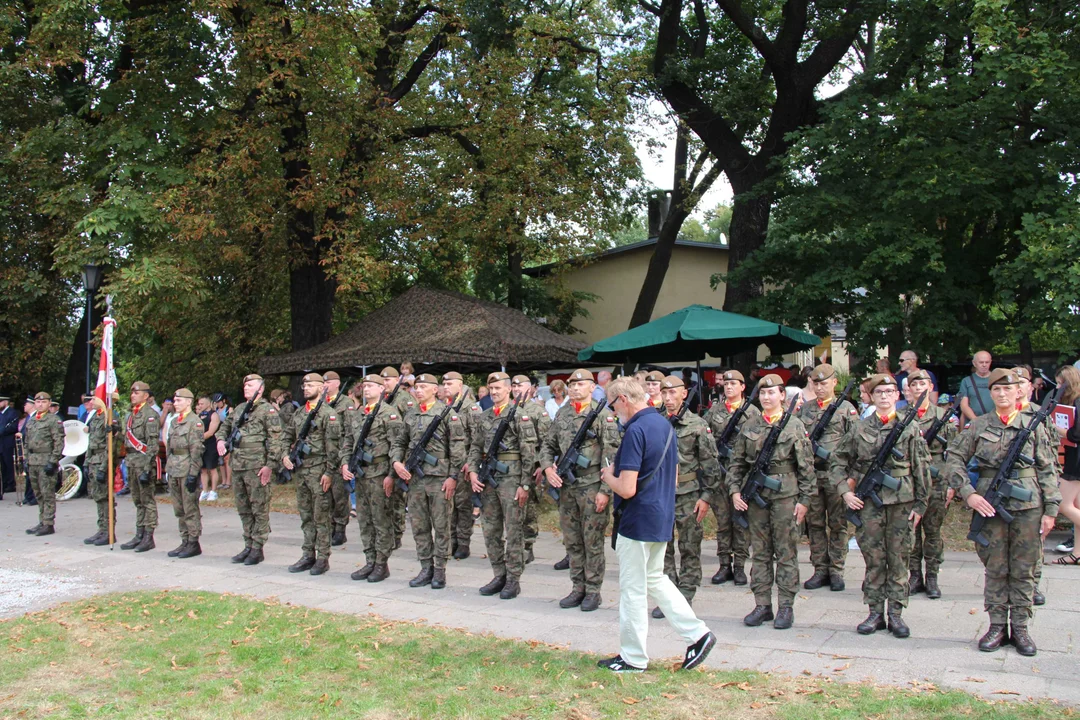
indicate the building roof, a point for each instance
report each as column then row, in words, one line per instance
column 545, row 270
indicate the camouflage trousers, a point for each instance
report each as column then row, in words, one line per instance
column 503, row 531
column 397, row 513
column 885, row 542
column 44, row 487
column 531, row 526
column 373, row 510
column 1014, row 552
column 340, row 503
column 186, row 509
column 313, row 504
column 731, row 540
column 928, row 544
column 430, row 513
column 462, row 518
column 142, row 494
column 583, row 535
column 99, row 493
column 253, row 507
column 688, row 535
column 774, row 537
column 826, row 524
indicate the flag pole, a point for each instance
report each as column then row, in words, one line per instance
column 107, row 384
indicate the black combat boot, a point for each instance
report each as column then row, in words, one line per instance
column 591, row 602
column 738, row 573
column 994, row 638
column 915, row 583
column 320, row 567
column 510, row 590
column 179, row 548
column 874, row 621
column 657, row 613
column 134, row 542
column 817, row 580
column 785, row 618
column 897, row 626
column 379, row 573
column 193, row 548
column 529, row 557
column 495, row 586
column 103, row 540
column 424, row 577
column 45, row 530
column 932, row 590
column 338, row 538
column 462, row 552
column 573, row 599
column 242, row 555
column 438, row 579
column 1037, row 598
column 33, row 530
column 724, row 574
column 1022, row 641
column 305, row 563
column 147, row 542
column 94, row 538
column 836, row 582
column 563, row 564
column 364, row 572
column 760, row 614
column 254, row 557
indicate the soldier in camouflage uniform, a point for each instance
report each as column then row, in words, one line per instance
column 732, row 541
column 399, row 396
column 313, row 475
column 522, row 389
column 928, row 544
column 374, row 485
column 774, row 530
column 1014, row 548
column 584, row 506
column 340, row 505
column 826, row 521
column 503, row 507
column 1028, row 410
column 885, row 536
column 432, row 485
column 142, row 430
column 461, row 518
column 44, row 446
column 184, row 452
column 96, row 466
column 653, row 382
column 697, row 484
column 254, row 461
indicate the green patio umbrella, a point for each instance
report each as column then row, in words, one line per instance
column 693, row 332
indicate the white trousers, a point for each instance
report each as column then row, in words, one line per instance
column 641, row 576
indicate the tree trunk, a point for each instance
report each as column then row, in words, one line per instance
column 311, row 294
column 749, row 226
column 514, row 292
column 1027, row 353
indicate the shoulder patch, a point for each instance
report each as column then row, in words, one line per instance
column 524, row 418
column 393, row 416
column 408, row 403
column 152, row 418
column 708, row 430
column 272, row 411
column 453, row 418
column 333, row 417
column 610, row 418
column 851, row 411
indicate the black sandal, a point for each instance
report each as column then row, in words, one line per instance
column 1069, row 559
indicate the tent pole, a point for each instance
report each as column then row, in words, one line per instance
column 701, row 386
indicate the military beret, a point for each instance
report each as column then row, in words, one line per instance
column 138, row 385
column 519, row 379
column 252, row 376
column 581, row 374
column 184, row 393
column 497, row 377
column 453, row 375
column 918, row 375
column 770, row 380
column 672, row 382
column 331, row 375
column 824, row 371
column 880, row 379
column 377, row 379
column 427, row 378
column 1003, row 376
column 733, row 375
column 276, row 393
column 43, row 396
column 1023, row 373
column 655, row 376
column 388, row 372
column 313, row 377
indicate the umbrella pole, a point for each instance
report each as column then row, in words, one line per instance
column 701, row 386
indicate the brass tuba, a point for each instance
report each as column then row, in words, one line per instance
column 76, row 443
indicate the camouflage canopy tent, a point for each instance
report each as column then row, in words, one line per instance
column 435, row 330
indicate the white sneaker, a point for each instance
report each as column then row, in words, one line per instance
column 202, row 496
column 211, row 496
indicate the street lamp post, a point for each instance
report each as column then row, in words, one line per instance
column 91, row 276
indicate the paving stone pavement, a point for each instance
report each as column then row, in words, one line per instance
column 942, row 649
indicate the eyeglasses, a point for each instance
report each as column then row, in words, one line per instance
column 884, row 392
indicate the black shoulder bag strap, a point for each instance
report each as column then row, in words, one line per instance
column 616, row 515
column 978, row 397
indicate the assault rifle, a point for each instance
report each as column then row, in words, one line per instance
column 723, row 443
column 876, row 477
column 360, row 456
column 1000, row 488
column 418, row 456
column 234, row 435
column 757, row 480
column 300, row 447
column 935, row 430
column 573, row 457
column 491, row 464
column 823, row 423
column 685, row 406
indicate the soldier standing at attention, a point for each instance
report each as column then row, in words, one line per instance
column 44, row 433
column 653, row 380
column 503, row 506
column 696, row 486
column 1014, row 548
column 97, row 461
column 885, row 536
column 313, row 475
column 521, row 386
column 253, row 464
column 397, row 395
column 343, row 406
column 928, row 544
column 774, row 530
column 825, row 520
column 584, row 506
column 732, row 541
column 373, row 482
column 431, row 495
column 141, row 432
column 461, row 519
column 1027, row 410
column 183, row 463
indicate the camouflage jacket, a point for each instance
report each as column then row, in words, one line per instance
column 699, row 470
column 385, row 428
column 519, row 445
column 260, row 437
column 602, row 441
column 97, row 452
column 536, row 411
column 145, row 425
column 719, row 415
column 185, row 447
column 403, row 401
column 845, row 416
column 937, row 447
column 853, row 457
column 324, row 439
column 792, row 463
column 44, row 439
column 448, row 446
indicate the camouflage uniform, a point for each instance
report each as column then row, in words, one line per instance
column 885, row 537
column 373, row 512
column 340, row 504
column 428, row 506
column 462, row 516
column 404, row 403
column 312, row 501
column 582, row 527
column 1015, row 548
column 502, row 518
column 44, row 442
column 184, row 459
column 698, row 479
column 142, row 423
column 928, row 544
column 826, row 523
column 259, row 446
column 774, row 536
column 732, row 542
column 97, row 462
column 531, row 526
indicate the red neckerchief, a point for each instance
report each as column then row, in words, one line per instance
column 181, row 416
column 308, row 405
column 369, row 408
column 732, row 407
column 498, row 410
column 39, row 415
column 774, row 418
column 1006, row 419
column 580, row 407
column 886, row 419
column 921, row 411
column 424, row 408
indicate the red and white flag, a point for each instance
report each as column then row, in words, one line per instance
column 106, row 381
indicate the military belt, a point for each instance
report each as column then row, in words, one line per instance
column 245, row 445
column 379, row 460
column 504, row 456
column 1021, row 473
column 782, row 468
column 686, row 477
column 899, row 472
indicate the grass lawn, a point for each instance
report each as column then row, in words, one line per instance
column 197, row 655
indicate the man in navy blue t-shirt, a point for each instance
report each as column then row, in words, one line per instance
column 643, row 480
